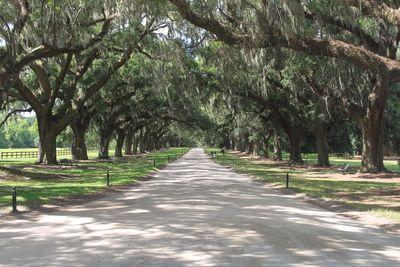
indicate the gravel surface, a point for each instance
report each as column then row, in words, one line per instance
column 195, row 213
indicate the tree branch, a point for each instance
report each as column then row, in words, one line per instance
column 28, row 96
column 43, row 78
column 358, row 56
column 59, row 81
column 45, row 51
column 12, row 113
column 23, row 16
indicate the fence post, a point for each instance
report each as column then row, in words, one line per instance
column 14, row 200
column 108, row 178
column 287, row 180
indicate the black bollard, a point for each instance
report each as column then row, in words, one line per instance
column 14, row 200
column 287, row 180
column 108, row 178
column 154, row 163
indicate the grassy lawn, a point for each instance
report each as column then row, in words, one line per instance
column 378, row 196
column 38, row 185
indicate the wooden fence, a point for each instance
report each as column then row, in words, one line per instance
column 29, row 154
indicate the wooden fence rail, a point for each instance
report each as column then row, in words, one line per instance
column 29, row 154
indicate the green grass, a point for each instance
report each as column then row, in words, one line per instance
column 45, row 185
column 358, row 195
column 391, row 165
column 393, row 215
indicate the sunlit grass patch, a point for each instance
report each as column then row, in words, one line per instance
column 390, row 214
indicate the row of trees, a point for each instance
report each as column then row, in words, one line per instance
column 242, row 72
column 307, row 64
column 81, row 64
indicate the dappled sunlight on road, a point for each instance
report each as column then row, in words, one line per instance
column 195, row 213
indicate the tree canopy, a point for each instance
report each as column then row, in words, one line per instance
column 257, row 76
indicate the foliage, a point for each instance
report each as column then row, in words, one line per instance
column 19, row 132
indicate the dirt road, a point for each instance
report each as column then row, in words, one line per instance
column 195, row 213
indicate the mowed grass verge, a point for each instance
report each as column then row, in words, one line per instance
column 378, row 194
column 40, row 184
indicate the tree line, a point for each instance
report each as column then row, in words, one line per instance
column 313, row 58
column 243, row 74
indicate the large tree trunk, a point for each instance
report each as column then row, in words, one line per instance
column 256, row 148
column 129, row 141
column 135, row 144
column 265, row 144
column 295, row 151
column 372, row 127
column 244, row 145
column 105, row 136
column 321, row 134
column 120, row 143
column 47, row 139
column 237, row 144
column 250, row 148
column 147, row 140
column 277, row 146
column 79, row 149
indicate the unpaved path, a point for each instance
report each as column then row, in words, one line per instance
column 195, row 213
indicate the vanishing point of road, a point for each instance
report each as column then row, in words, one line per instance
column 195, row 213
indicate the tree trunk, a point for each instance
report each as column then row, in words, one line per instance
column 120, row 143
column 321, row 134
column 142, row 142
column 232, row 144
column 105, row 136
column 295, row 151
column 147, row 141
column 47, row 140
column 372, row 127
column 129, row 142
column 244, row 144
column 277, row 146
column 265, row 143
column 371, row 124
column 79, row 149
column 135, row 144
column 250, row 148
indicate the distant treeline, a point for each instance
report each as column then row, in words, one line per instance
column 19, row 132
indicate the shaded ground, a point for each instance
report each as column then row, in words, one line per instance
column 195, row 213
column 372, row 198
